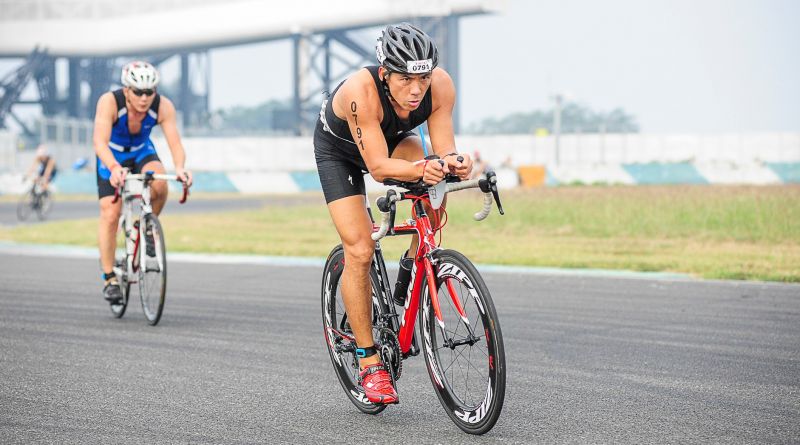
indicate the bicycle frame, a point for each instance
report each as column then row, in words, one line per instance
column 423, row 260
column 140, row 192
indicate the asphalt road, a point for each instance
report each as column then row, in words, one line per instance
column 239, row 357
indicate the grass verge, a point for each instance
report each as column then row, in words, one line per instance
column 727, row 232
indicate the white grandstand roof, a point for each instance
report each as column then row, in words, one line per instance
column 113, row 27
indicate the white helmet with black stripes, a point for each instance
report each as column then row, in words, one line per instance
column 140, row 75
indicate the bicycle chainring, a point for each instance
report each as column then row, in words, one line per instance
column 390, row 352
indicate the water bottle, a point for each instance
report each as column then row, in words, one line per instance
column 403, row 277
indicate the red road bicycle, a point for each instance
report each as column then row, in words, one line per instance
column 461, row 338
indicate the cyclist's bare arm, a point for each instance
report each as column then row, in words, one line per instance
column 167, row 118
column 357, row 101
column 48, row 169
column 103, row 121
column 440, row 123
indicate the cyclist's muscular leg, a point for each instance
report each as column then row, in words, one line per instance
column 107, row 231
column 158, row 189
column 354, row 227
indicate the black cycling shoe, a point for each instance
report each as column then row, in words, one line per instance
column 112, row 293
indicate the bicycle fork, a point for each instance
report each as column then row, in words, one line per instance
column 432, row 278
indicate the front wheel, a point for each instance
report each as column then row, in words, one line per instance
column 465, row 357
column 152, row 268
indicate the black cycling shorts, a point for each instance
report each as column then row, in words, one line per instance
column 104, row 187
column 340, row 166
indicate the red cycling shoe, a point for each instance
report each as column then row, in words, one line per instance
column 377, row 384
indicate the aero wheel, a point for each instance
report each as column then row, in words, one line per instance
column 465, row 358
column 152, row 268
column 338, row 335
column 25, row 206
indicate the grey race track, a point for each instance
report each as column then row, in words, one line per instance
column 239, row 357
column 88, row 208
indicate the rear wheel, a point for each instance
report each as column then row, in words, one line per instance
column 465, row 358
column 118, row 309
column 152, row 268
column 45, row 204
column 338, row 334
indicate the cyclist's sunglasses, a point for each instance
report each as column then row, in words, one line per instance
column 146, row 92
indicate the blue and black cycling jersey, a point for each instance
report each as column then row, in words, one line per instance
column 126, row 146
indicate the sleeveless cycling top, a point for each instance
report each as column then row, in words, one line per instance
column 43, row 166
column 391, row 124
column 121, row 137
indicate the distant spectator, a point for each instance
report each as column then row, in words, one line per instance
column 479, row 166
column 44, row 167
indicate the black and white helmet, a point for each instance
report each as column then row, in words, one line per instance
column 404, row 48
column 140, row 75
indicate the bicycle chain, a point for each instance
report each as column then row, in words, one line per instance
column 390, row 352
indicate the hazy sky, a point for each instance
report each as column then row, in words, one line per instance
column 677, row 65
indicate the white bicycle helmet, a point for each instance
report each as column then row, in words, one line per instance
column 140, row 75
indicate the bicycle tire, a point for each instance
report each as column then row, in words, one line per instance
column 45, row 205
column 334, row 324
column 474, row 405
column 152, row 270
column 120, row 268
column 118, row 310
column 25, row 206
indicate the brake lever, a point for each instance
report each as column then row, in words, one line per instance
column 492, row 178
column 387, row 204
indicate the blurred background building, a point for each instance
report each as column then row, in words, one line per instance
column 525, row 85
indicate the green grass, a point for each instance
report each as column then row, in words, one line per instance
column 707, row 231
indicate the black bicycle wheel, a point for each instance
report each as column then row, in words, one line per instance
column 338, row 335
column 466, row 360
column 25, row 206
column 44, row 206
column 152, row 269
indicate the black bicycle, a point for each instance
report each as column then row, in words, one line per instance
column 36, row 200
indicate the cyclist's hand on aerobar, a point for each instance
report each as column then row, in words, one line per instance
column 185, row 176
column 461, row 168
column 434, row 172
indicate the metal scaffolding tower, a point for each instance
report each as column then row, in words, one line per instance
column 99, row 75
column 320, row 61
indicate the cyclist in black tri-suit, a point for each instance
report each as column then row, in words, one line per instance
column 365, row 126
